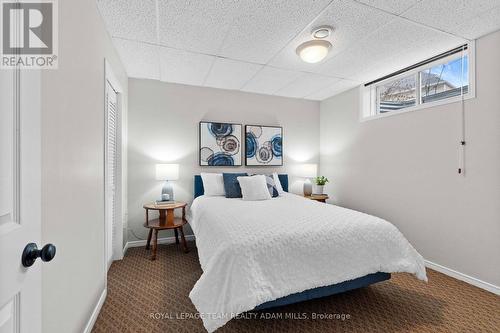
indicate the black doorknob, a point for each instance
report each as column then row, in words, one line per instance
column 31, row 253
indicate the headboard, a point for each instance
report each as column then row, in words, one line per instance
column 198, row 184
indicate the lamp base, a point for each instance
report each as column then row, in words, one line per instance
column 167, row 192
column 307, row 187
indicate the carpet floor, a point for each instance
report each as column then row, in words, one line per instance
column 152, row 296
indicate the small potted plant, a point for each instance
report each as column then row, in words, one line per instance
column 319, row 184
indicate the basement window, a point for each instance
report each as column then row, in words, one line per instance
column 397, row 94
column 445, row 78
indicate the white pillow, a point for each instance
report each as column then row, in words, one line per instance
column 278, row 183
column 213, row 184
column 254, row 188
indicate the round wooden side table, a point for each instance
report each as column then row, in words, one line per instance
column 166, row 221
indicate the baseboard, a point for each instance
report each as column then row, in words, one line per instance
column 463, row 277
column 95, row 313
column 125, row 248
column 142, row 242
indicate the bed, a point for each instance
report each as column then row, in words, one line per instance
column 261, row 254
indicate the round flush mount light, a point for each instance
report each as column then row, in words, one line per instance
column 313, row 51
column 322, row 32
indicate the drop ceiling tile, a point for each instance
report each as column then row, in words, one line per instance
column 391, row 41
column 407, row 57
column 261, row 28
column 140, row 60
column 369, row 40
column 336, row 88
column 448, row 14
column 352, row 23
column 130, row 19
column 184, row 67
column 230, row 74
column 345, row 64
column 305, row 85
column 425, row 46
column 270, row 79
column 481, row 25
column 199, row 26
column 391, row 6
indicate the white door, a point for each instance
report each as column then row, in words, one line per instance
column 111, row 162
column 20, row 200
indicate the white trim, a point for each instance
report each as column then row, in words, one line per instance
column 165, row 240
column 463, row 277
column 472, row 68
column 111, row 77
column 95, row 313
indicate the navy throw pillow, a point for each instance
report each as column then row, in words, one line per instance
column 231, row 184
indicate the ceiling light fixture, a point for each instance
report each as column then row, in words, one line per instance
column 315, row 50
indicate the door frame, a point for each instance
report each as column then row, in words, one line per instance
column 117, row 247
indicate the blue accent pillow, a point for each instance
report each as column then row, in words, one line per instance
column 231, row 184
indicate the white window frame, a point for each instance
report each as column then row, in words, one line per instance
column 369, row 98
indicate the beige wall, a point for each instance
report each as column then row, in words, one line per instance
column 163, row 127
column 73, row 167
column 403, row 168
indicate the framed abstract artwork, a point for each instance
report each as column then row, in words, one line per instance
column 264, row 145
column 220, row 144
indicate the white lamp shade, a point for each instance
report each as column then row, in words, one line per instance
column 167, row 171
column 307, row 170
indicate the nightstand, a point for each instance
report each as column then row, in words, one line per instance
column 166, row 221
column 317, row 197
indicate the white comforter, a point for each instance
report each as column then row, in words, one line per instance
column 252, row 252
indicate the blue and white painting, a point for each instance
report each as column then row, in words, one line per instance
column 220, row 144
column 264, row 145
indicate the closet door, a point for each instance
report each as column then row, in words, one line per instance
column 111, row 166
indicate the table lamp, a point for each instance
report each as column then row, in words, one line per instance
column 167, row 172
column 308, row 171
